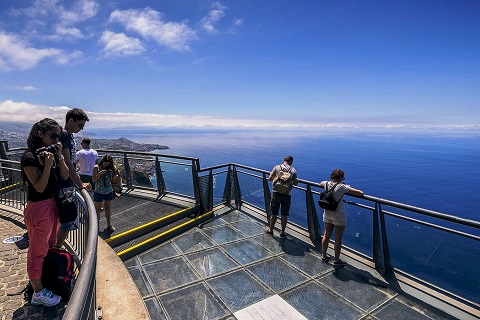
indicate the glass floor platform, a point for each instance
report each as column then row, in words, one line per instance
column 230, row 269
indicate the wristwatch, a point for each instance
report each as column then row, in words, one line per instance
column 61, row 157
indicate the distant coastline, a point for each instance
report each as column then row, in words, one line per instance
column 141, row 171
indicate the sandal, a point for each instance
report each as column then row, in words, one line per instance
column 339, row 263
column 111, row 228
column 325, row 259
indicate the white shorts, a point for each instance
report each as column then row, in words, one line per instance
column 335, row 218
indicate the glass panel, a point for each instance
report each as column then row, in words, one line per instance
column 447, row 260
column 277, row 274
column 192, row 241
column 193, row 302
column 298, row 210
column 356, row 288
column 245, row 252
column 239, row 289
column 178, row 178
column 316, row 302
column 218, row 187
column 358, row 233
column 154, row 309
column 252, row 189
column 211, row 262
column 168, row 274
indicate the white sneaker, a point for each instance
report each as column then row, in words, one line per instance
column 45, row 298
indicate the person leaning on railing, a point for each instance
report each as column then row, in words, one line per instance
column 336, row 218
column 43, row 172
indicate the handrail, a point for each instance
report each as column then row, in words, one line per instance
column 148, row 154
column 83, row 296
column 82, row 302
column 431, row 213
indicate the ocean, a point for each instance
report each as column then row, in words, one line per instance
column 438, row 171
column 435, row 170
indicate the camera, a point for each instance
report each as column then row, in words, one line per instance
column 52, row 149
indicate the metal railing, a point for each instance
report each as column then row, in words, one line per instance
column 161, row 173
column 394, row 237
column 83, row 241
column 377, row 234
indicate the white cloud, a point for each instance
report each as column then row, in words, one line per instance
column 149, row 24
column 26, row 88
column 47, row 14
column 119, row 44
column 238, row 22
column 216, row 14
column 16, row 54
column 28, row 113
column 82, row 10
column 62, row 32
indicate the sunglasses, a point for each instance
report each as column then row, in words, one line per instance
column 54, row 135
column 80, row 125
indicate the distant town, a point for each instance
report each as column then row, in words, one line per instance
column 16, row 137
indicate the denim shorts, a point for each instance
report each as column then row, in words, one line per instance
column 99, row 197
column 68, row 226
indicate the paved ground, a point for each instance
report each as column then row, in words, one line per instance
column 13, row 270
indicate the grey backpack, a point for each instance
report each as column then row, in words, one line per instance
column 283, row 181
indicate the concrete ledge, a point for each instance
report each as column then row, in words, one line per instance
column 117, row 293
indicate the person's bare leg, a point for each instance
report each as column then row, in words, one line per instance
column 61, row 236
column 108, row 213
column 326, row 238
column 283, row 221
column 338, row 241
column 98, row 206
column 36, row 284
column 273, row 220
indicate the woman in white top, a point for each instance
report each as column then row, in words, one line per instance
column 336, row 218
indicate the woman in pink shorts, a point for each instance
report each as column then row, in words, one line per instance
column 336, row 218
column 42, row 167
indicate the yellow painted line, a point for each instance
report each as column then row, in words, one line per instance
column 143, row 226
column 10, row 186
column 162, row 234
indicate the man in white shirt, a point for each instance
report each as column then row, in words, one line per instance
column 86, row 160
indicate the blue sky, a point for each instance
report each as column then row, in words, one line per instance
column 244, row 63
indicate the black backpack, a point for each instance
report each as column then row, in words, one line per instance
column 57, row 275
column 327, row 201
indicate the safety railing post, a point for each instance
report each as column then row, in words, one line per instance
column 266, row 196
column 312, row 218
column 237, row 191
column 196, row 183
column 227, row 191
column 160, row 181
column 128, row 171
column 210, row 190
column 377, row 247
column 386, row 252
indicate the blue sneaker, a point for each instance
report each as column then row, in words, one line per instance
column 45, row 298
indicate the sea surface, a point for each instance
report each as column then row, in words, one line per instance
column 436, row 170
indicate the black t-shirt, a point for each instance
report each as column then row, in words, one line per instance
column 30, row 160
column 68, row 142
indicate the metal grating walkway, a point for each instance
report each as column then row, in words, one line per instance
column 231, row 269
column 130, row 211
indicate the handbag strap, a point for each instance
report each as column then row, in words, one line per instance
column 333, row 188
